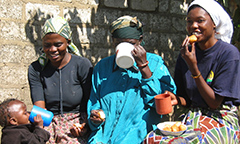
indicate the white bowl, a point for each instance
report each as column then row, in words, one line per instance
column 169, row 133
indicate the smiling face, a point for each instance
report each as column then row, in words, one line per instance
column 18, row 112
column 55, row 47
column 200, row 23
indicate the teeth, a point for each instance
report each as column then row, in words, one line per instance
column 195, row 33
column 54, row 55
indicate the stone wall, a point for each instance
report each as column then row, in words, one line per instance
column 21, row 21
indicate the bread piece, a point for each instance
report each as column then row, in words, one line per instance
column 192, row 39
column 167, row 127
column 182, row 127
column 178, row 124
column 101, row 115
column 78, row 125
column 175, row 128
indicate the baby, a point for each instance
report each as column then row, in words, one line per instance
column 14, row 118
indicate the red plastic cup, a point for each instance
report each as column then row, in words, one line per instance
column 163, row 104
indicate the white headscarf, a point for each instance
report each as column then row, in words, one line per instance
column 224, row 26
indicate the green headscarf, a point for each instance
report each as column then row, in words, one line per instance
column 127, row 27
column 60, row 26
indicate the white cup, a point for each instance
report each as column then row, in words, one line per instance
column 124, row 58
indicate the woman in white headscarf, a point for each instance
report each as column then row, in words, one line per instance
column 207, row 76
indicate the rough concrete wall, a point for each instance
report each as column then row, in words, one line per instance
column 21, row 21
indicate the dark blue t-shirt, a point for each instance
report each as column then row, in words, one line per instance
column 219, row 66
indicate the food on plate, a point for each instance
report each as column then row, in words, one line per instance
column 182, row 128
column 178, row 126
column 175, row 127
column 101, row 115
column 192, row 39
column 167, row 127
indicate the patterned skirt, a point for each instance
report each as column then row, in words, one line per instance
column 204, row 127
column 60, row 129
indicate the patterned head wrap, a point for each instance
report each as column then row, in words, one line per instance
column 224, row 26
column 127, row 27
column 60, row 26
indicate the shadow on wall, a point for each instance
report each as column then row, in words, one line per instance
column 33, row 30
column 163, row 33
column 94, row 40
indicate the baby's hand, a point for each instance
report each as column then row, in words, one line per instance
column 38, row 120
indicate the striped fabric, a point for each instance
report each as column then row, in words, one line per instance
column 127, row 27
column 60, row 26
column 204, row 127
column 125, row 21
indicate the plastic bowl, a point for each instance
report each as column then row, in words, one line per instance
column 170, row 133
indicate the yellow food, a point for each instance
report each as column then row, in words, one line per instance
column 182, row 128
column 175, row 127
column 101, row 114
column 192, row 39
column 167, row 127
column 78, row 125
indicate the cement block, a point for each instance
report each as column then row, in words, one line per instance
column 163, row 5
column 178, row 7
column 87, row 35
column 11, row 30
column 11, row 9
column 78, row 15
column 41, row 12
column 160, row 22
column 144, row 5
column 179, row 24
column 10, row 93
column 116, row 3
column 10, row 53
column 13, row 75
column 90, row 2
column 30, row 53
column 104, row 17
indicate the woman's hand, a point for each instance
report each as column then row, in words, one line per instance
column 139, row 54
column 173, row 98
column 176, row 100
column 38, row 120
column 80, row 130
column 189, row 56
column 95, row 117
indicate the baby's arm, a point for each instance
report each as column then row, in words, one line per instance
column 38, row 121
column 40, row 134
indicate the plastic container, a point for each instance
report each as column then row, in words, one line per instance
column 124, row 58
column 163, row 104
column 45, row 114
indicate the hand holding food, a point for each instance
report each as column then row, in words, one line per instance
column 192, row 39
column 101, row 114
column 97, row 116
column 78, row 129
